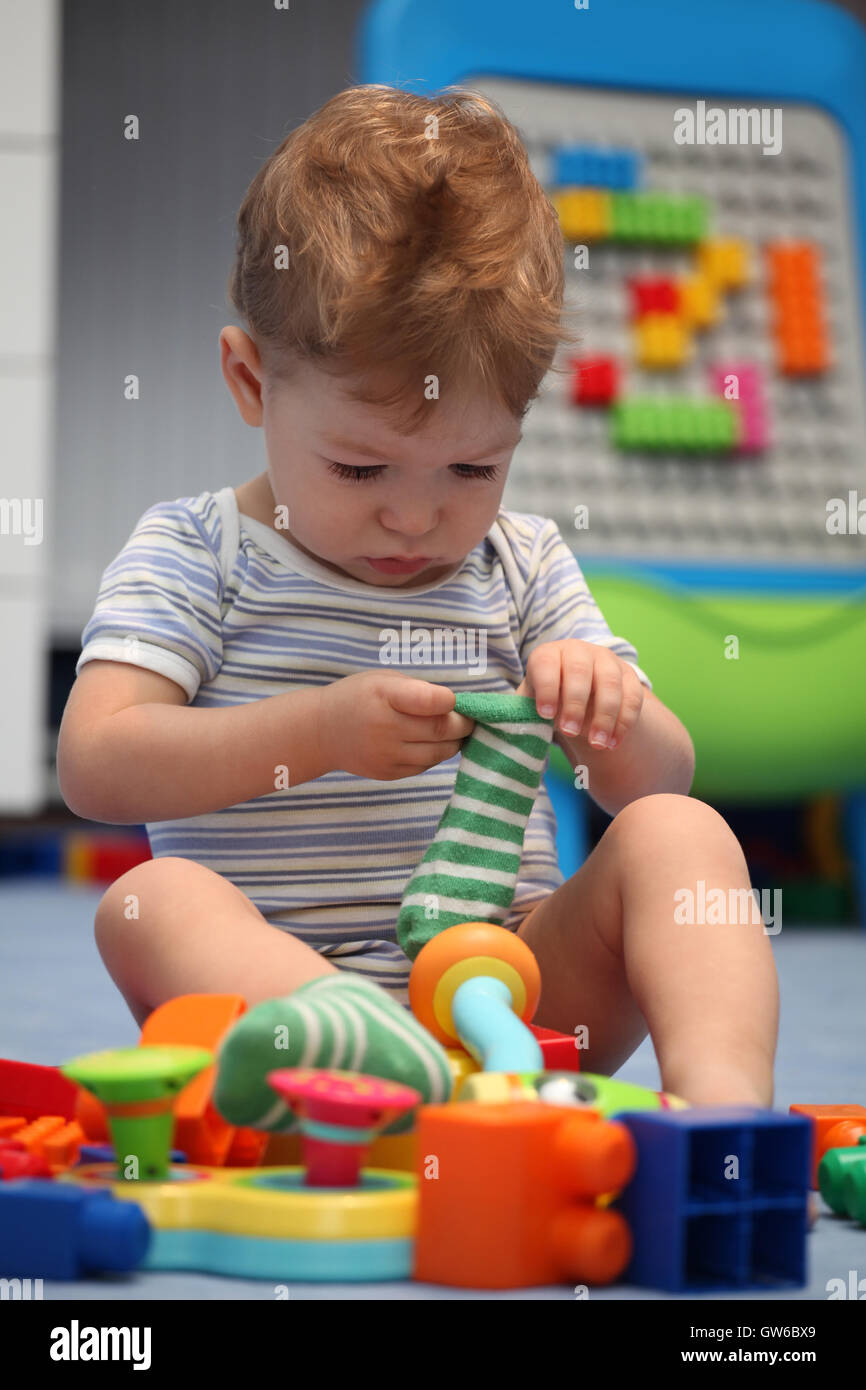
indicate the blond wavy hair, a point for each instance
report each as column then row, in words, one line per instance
column 418, row 240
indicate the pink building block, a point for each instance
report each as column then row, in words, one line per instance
column 754, row 422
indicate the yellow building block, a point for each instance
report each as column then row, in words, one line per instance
column 663, row 340
column 699, row 301
column 584, row 213
column 725, row 262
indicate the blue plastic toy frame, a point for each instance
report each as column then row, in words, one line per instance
column 768, row 50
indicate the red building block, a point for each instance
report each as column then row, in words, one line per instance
column 31, row 1091
column 595, row 380
column 658, row 295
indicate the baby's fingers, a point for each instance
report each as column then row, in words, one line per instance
column 606, row 701
column 631, row 706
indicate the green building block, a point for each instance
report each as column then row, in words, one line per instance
column 659, row 218
column 842, row 1180
column 674, row 424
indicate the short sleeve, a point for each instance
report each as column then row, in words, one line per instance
column 159, row 601
column 557, row 603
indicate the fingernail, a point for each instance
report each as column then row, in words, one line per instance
column 547, row 711
column 598, row 739
column 571, row 727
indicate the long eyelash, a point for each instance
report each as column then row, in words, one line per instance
column 354, row 474
column 486, row 471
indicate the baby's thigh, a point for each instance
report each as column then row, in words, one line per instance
column 161, row 895
column 584, row 988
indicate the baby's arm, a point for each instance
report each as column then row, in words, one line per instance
column 132, row 750
column 657, row 755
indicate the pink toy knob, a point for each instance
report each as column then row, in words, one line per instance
column 340, row 1114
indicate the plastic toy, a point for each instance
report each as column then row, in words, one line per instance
column 842, row 1180
column 276, row 1223
column 605, row 1096
column 595, row 380
column 138, row 1087
column 478, row 985
column 719, row 1199
column 339, row 1114
column 833, row 1126
column 57, row 1230
column 507, row 1196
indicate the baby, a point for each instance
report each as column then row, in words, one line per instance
column 242, row 689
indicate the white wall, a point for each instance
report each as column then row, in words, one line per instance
column 29, row 166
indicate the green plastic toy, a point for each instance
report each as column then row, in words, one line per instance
column 138, row 1087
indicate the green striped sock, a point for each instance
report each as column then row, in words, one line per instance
column 335, row 1021
column 469, row 873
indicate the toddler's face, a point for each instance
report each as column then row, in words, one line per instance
column 390, row 509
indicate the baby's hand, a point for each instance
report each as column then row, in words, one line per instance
column 384, row 725
column 586, row 689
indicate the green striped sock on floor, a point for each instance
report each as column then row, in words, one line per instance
column 469, row 873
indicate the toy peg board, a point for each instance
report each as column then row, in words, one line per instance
column 704, row 508
column 647, row 497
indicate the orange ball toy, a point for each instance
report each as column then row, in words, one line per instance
column 461, row 953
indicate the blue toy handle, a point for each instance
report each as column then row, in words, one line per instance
column 482, row 1010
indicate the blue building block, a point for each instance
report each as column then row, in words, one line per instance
column 57, row 1230
column 24, row 856
column 719, row 1199
column 591, row 167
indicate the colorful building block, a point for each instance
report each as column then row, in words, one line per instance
column 799, row 315
column 833, row 1126
column 202, row 1020
column 724, row 263
column 653, row 295
column 665, row 219
column 51, row 1138
column 747, row 378
column 595, row 380
column 719, row 1199
column 58, row 1230
column 103, row 858
column 662, row 340
column 674, row 424
column 699, row 301
column 596, row 167
column 28, row 1091
column 584, row 213
column 842, row 1180
column 507, row 1196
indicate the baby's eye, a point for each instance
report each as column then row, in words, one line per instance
column 356, row 475
column 486, row 471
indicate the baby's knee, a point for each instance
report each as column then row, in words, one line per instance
column 673, row 819
column 122, row 902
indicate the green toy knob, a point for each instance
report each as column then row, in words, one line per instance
column 138, row 1087
column 833, row 1172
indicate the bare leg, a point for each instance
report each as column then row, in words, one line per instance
column 194, row 933
column 613, row 958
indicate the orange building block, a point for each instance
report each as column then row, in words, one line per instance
column 194, row 1020
column 52, row 1138
column 202, row 1020
column 508, row 1195
column 833, row 1126
column 797, row 299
